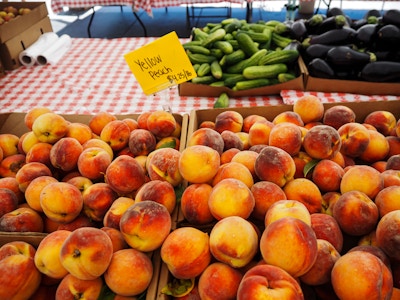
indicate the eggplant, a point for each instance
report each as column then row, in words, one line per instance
column 366, row 35
column 330, row 23
column 344, row 56
column 391, row 16
column 317, row 51
column 381, row 71
column 313, row 23
column 345, row 35
column 356, row 24
column 334, row 11
column 372, row 13
column 320, row 68
column 388, row 37
column 298, row 30
column 388, row 55
column 294, row 45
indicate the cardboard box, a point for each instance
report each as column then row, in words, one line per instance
column 10, row 50
column 203, row 90
column 14, row 123
column 361, row 109
column 21, row 23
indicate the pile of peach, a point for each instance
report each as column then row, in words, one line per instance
column 104, row 203
column 302, row 206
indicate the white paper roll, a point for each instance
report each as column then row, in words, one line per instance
column 28, row 56
column 54, row 53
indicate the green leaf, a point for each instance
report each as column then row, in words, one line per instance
column 309, row 166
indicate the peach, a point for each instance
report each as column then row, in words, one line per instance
column 249, row 121
column 270, row 281
column 247, row 158
column 375, row 250
column 327, row 175
column 125, row 175
column 305, row 191
column 259, row 133
column 81, row 220
column 142, row 119
column 132, row 123
column 207, row 124
column 219, row 281
column 93, row 162
column 130, row 272
column 145, row 225
column 231, row 140
column 234, row 170
column 394, row 145
column 391, row 177
column 79, row 131
column 161, row 123
column 99, row 120
column 159, row 191
column 47, row 256
column 320, row 272
column 285, row 239
column 116, row 237
column 355, row 139
column 207, row 137
column 40, row 152
column 356, row 213
column 71, row 287
column 8, row 201
column 61, row 202
column 19, row 277
column 33, row 113
column 322, row 141
column 384, row 121
column 393, row 162
column 169, row 142
column 81, row 182
column 86, row 253
column 363, row 274
column 244, row 137
column 287, row 208
column 65, row 153
column 50, row 127
column 229, row 120
column 9, row 144
column 12, row 184
column 199, row 163
column 387, row 232
column 388, row 199
column 362, row 178
column 301, row 160
column 186, row 252
column 286, row 136
column 141, row 142
column 30, row 171
column 22, row 219
column 194, row 204
column 327, row 228
column 116, row 134
column 288, row 116
column 377, row 149
column 379, row 165
column 234, row 241
column 118, row 207
column 231, row 197
column 310, row 108
column 265, row 193
column 227, row 155
column 97, row 200
column 94, row 142
column 338, row 115
column 164, row 165
column 35, row 187
column 278, row 170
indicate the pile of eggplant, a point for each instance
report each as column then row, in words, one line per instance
column 335, row 47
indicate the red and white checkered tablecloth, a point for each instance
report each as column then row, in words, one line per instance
column 93, row 76
column 58, row 5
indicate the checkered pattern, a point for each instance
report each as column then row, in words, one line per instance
column 93, row 76
column 58, row 5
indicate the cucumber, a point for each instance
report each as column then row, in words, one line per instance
column 196, row 49
column 251, row 61
column 269, row 71
column 214, row 36
column 224, row 46
column 235, row 57
column 246, row 43
column 203, row 79
column 204, row 69
column 280, row 41
column 282, row 56
column 259, row 37
column 251, row 84
column 222, row 101
column 198, row 58
column 199, row 35
column 216, row 69
column 285, row 77
column 231, row 81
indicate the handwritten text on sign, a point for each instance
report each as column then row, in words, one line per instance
column 160, row 64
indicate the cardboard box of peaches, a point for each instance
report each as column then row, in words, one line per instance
column 229, row 232
column 14, row 124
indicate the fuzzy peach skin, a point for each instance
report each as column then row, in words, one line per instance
column 287, row 208
column 338, row 115
column 118, row 207
column 10, row 165
column 159, row 191
column 186, row 252
column 229, row 120
column 234, row 170
column 219, row 281
column 310, row 108
column 199, row 163
column 231, row 140
column 377, row 251
column 47, row 256
column 322, row 142
column 259, row 133
column 8, row 201
column 65, row 153
column 247, row 158
column 161, row 123
column 50, row 127
column 207, row 137
column 266, row 281
column 164, row 165
column 327, row 228
column 141, row 142
column 61, row 202
column 286, row 239
column 231, row 197
column 145, row 225
column 387, row 232
column 286, row 136
column 362, row 178
column 33, row 113
column 12, row 184
column 72, row 287
column 22, row 219
column 194, row 204
column 275, row 165
column 288, row 116
column 356, row 213
column 39, row 152
column 99, row 120
column 19, row 277
column 116, row 237
column 86, row 253
column 79, row 131
column 327, row 175
column 355, row 139
column 30, row 171
column 116, row 134
column 9, row 144
column 96, row 142
column 234, row 241
column 129, row 273
column 93, row 162
column 97, row 200
column 384, row 121
column 388, row 199
column 363, row 274
column 377, row 149
column 305, row 191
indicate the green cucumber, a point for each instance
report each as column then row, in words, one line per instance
column 285, row 77
column 216, row 69
column 282, row 56
column 268, row 71
column 246, row 43
column 222, row 101
column 204, row 69
column 251, row 84
column 235, row 57
column 198, row 58
column 251, row 61
column 214, row 36
column 224, row 46
column 196, row 49
column 203, row 79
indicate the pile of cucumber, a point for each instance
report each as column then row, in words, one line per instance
column 241, row 55
column 336, row 47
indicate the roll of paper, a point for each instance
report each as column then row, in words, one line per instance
column 54, row 53
column 29, row 56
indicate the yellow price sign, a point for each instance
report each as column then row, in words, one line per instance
column 160, row 64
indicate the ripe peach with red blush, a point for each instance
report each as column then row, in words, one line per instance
column 8, row 201
column 30, row 171
column 259, row 133
column 355, row 139
column 79, row 131
column 327, row 228
column 161, row 123
column 377, row 149
column 164, row 165
column 229, row 120
column 288, row 116
column 387, row 232
column 207, row 137
column 194, row 204
column 159, row 191
column 22, row 219
column 249, row 121
column 118, row 207
column 338, row 115
column 310, row 108
column 286, row 136
column 97, row 200
column 287, row 208
column 305, row 191
column 99, row 120
column 35, row 187
column 72, row 287
column 234, row 170
column 327, row 175
column 384, row 121
column 322, row 141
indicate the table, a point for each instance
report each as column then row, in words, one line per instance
column 93, row 76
